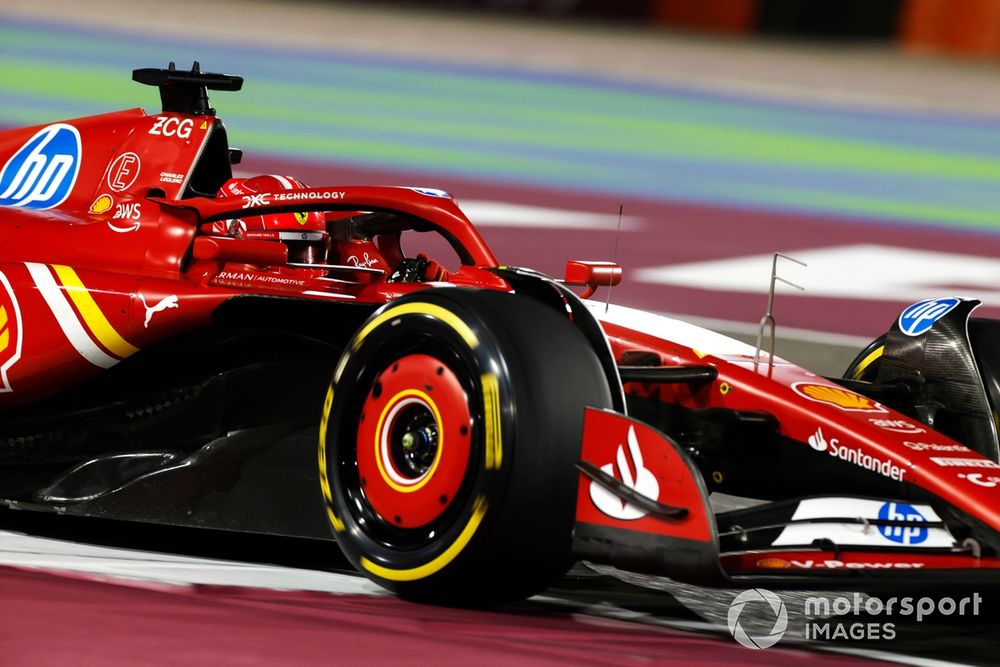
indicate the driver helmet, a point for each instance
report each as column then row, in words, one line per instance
column 304, row 233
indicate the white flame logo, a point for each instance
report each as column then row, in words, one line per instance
column 644, row 483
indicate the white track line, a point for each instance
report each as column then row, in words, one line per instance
column 144, row 566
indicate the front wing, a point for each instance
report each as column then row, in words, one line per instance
column 643, row 506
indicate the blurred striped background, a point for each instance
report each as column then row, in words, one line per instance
column 578, row 133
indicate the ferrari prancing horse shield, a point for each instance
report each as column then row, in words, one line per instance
column 10, row 331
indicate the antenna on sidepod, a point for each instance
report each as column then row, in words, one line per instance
column 768, row 316
column 618, row 234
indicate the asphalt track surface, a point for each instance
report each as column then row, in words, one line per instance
column 881, row 171
column 98, row 592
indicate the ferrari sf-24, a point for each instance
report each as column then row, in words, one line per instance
column 183, row 347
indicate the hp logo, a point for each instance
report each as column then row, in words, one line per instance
column 920, row 317
column 902, row 534
column 42, row 173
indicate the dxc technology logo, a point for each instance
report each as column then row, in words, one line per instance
column 772, row 604
column 42, row 173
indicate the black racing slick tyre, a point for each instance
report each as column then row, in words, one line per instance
column 866, row 363
column 448, row 442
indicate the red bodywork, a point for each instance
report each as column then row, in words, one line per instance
column 124, row 261
column 121, row 263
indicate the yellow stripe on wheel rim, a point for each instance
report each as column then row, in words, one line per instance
column 441, row 561
column 429, row 309
column 867, row 361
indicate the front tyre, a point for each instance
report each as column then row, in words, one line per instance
column 866, row 364
column 448, row 443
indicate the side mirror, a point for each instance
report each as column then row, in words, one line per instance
column 592, row 274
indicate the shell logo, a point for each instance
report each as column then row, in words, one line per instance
column 838, row 397
column 102, row 204
column 773, row 564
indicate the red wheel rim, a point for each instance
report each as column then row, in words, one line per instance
column 413, row 443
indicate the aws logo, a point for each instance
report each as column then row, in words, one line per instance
column 10, row 332
column 42, row 173
column 838, row 397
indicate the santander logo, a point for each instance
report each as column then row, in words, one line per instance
column 819, row 443
column 643, row 482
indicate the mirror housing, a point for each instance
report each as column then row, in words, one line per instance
column 593, row 274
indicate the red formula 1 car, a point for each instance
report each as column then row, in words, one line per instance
column 175, row 342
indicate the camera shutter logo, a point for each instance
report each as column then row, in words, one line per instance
column 771, row 601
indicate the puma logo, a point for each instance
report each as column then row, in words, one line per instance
column 163, row 304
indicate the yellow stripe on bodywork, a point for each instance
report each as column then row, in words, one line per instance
column 867, row 361
column 91, row 313
column 437, row 564
column 430, row 309
column 491, row 420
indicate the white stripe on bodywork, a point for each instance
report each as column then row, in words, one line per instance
column 67, row 318
column 329, row 295
column 696, row 338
